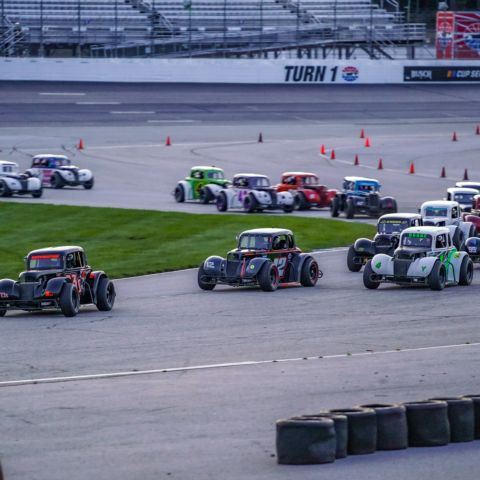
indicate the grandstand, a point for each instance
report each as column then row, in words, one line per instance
column 176, row 28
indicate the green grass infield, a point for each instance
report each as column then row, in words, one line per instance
column 135, row 242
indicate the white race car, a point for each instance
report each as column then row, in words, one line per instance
column 12, row 181
column 462, row 195
column 252, row 192
column 426, row 256
column 56, row 171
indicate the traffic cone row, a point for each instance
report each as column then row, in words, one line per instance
column 411, row 170
column 168, row 141
column 80, row 146
column 322, row 149
column 332, row 155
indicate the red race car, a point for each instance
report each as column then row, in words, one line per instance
column 306, row 189
column 474, row 215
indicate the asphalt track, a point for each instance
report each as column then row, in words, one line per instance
column 216, row 420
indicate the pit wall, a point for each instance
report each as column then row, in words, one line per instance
column 317, row 71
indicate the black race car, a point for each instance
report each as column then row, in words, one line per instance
column 57, row 278
column 264, row 257
column 385, row 241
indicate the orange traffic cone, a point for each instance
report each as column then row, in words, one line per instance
column 260, row 138
column 411, row 171
column 362, row 133
column 454, row 138
column 81, row 146
column 322, row 149
column 168, row 141
column 380, row 164
column 444, row 173
column 477, row 131
column 356, row 162
column 332, row 156
column 465, row 175
column 367, row 142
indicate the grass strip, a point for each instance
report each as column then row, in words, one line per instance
column 127, row 242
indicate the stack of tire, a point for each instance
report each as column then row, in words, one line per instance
column 330, row 435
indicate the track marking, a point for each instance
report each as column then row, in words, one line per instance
column 103, row 376
column 98, row 103
column 63, row 94
column 173, row 121
column 133, row 112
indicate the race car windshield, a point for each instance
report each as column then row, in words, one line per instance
column 310, row 180
column 216, row 175
column 464, row 197
column 417, row 240
column 367, row 187
column 391, row 227
column 47, row 261
column 254, row 242
column 436, row 212
column 259, row 182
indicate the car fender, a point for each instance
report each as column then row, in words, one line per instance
column 12, row 183
column 97, row 276
column 421, row 267
column 9, row 289
column 472, row 245
column 474, row 220
column 387, row 202
column 331, row 194
column 254, row 266
column 364, row 246
column 34, row 183
column 297, row 264
column 264, row 198
column 214, row 265
column 285, row 198
column 465, row 228
column 187, row 188
column 32, row 172
column 214, row 188
column 55, row 285
column 85, row 175
column 382, row 264
column 455, row 259
column 232, row 195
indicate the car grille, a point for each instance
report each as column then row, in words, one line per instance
column 232, row 268
column 400, row 267
column 26, row 290
column 373, row 200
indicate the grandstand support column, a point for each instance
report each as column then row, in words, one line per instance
column 261, row 28
column 41, row 50
column 371, row 32
column 297, row 33
column 79, row 27
column 152, row 27
column 224, row 28
column 3, row 15
column 335, row 38
column 115, row 19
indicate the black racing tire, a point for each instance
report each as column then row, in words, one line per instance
column 268, row 277
column 458, row 239
column 352, row 266
column 250, row 203
column 37, row 193
column 350, row 208
column 461, row 418
column 309, row 272
column 222, row 202
column 466, row 271
column 473, row 231
column 56, row 181
column 335, row 207
column 305, row 442
column 367, row 277
column 179, row 193
column 88, row 185
column 69, row 300
column 105, row 295
column 288, row 208
column 438, row 276
column 428, row 424
column 300, row 201
column 205, row 195
column 2, row 312
column 4, row 189
column 476, row 408
column 204, row 281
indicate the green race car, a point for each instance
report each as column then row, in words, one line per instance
column 203, row 184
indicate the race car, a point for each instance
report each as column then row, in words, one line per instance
column 14, row 182
column 306, row 189
column 253, row 193
column 360, row 195
column 264, row 257
column 203, row 185
column 56, row 171
column 444, row 213
column 473, row 215
column 57, row 278
column 468, row 184
column 385, row 241
column 426, row 256
column 462, row 195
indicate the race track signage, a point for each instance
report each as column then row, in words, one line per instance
column 441, row 74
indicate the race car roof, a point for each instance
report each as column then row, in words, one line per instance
column 475, row 185
column 50, row 155
column 249, row 175
column 399, row 216
column 361, row 179
column 267, row 231
column 440, row 203
column 298, row 174
column 65, row 249
column 207, row 167
column 473, row 191
column 429, row 230
column 6, row 162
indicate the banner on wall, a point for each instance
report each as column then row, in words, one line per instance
column 441, row 74
column 458, row 35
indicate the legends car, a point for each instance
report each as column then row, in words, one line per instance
column 203, row 184
column 306, row 189
column 444, row 213
column 389, row 228
column 253, row 193
column 468, row 184
column 14, row 182
column 426, row 256
column 474, row 214
column 264, row 257
column 360, row 195
column 56, row 171
column 57, row 278
column 464, row 197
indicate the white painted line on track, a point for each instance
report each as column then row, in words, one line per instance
column 98, row 103
column 104, row 376
column 132, row 112
column 63, row 94
column 173, row 121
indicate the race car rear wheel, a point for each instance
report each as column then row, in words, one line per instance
column 250, row 203
column 205, row 195
column 437, row 277
column 204, row 281
column 301, row 202
column 351, row 264
column 56, row 181
column 309, row 273
column 69, row 300
column 179, row 194
column 105, row 295
column 350, row 208
column 222, row 202
column 89, row 184
column 268, row 278
column 335, row 207
column 369, row 277
column 4, row 190
column 466, row 271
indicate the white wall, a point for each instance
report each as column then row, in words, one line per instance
column 237, row 71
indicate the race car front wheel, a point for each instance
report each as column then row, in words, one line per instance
column 204, row 281
column 466, row 271
column 268, row 277
column 37, row 193
column 179, row 194
column 309, row 273
column 369, row 277
column 69, row 300
column 351, row 264
column 56, row 181
column 437, row 277
column 105, row 295
column 4, row 190
column 88, row 185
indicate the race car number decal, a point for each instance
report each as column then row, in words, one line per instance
column 281, row 264
column 76, row 280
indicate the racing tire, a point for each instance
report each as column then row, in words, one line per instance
column 466, row 271
column 350, row 208
column 250, row 203
column 288, row 208
column 69, row 300
column 473, row 231
column 179, row 194
column 352, row 266
column 335, row 207
column 88, row 185
column 4, row 189
column 37, row 193
column 205, row 195
column 438, row 276
column 105, row 295
column 367, row 277
column 56, row 181
column 458, row 239
column 309, row 273
column 222, row 202
column 204, row 281
column 2, row 314
column 268, row 278
column 300, row 202
column 476, row 409
column 394, row 208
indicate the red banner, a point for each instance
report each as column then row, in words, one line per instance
column 445, row 32
column 458, row 35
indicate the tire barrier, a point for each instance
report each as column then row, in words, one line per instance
column 427, row 423
column 362, row 430
column 461, row 418
column 392, row 433
column 304, row 442
column 476, row 411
